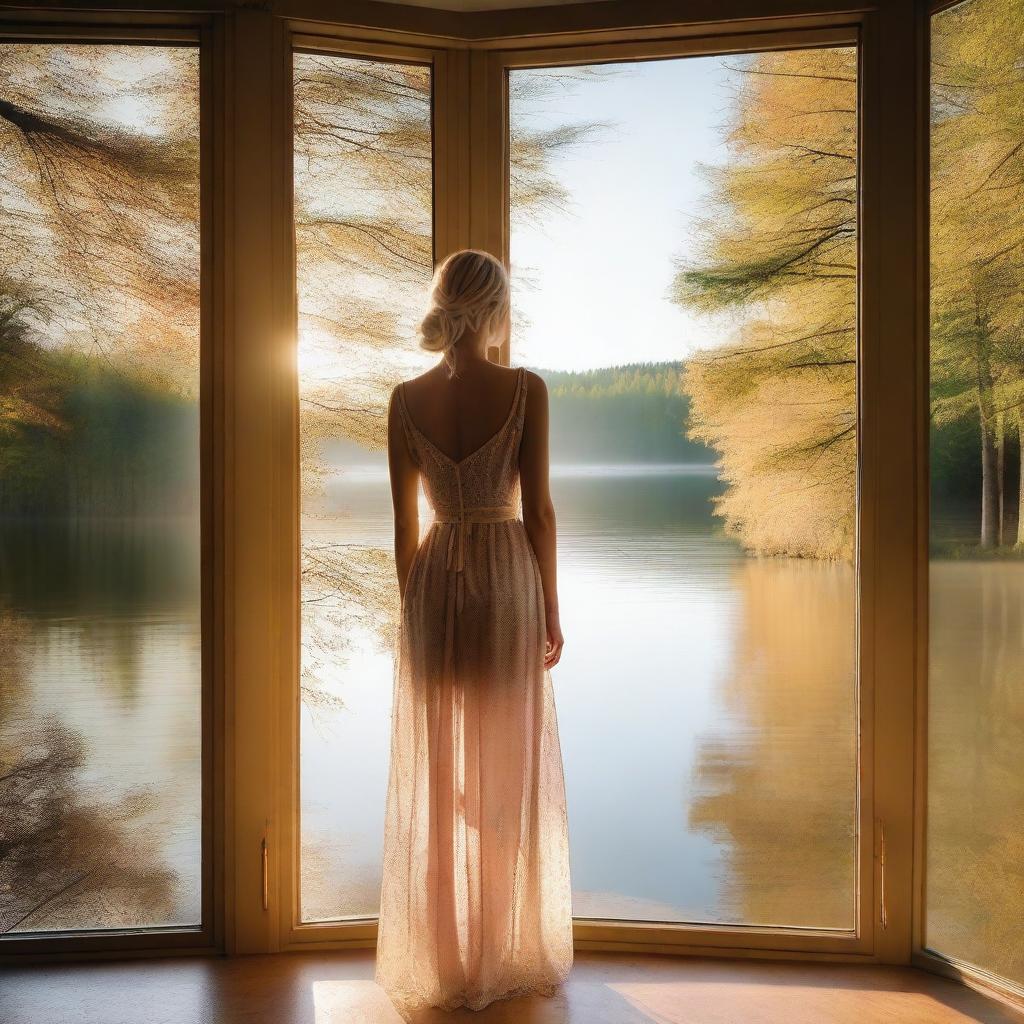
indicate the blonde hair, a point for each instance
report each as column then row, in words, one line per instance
column 469, row 292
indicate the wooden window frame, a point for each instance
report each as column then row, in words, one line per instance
column 448, row 231
column 590, row 933
column 885, row 572
column 203, row 34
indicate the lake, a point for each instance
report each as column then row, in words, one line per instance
column 705, row 699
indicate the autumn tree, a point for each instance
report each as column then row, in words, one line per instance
column 977, row 244
column 101, row 210
column 364, row 229
column 99, row 151
column 778, row 252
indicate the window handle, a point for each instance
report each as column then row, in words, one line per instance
column 883, row 910
column 265, row 872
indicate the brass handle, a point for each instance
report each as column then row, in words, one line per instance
column 265, row 872
column 883, row 912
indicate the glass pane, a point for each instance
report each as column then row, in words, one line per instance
column 100, row 668
column 684, row 257
column 975, row 849
column 364, row 246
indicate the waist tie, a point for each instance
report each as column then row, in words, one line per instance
column 463, row 517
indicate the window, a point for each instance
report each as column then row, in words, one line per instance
column 100, row 600
column 363, row 202
column 695, row 276
column 684, row 251
column 975, row 835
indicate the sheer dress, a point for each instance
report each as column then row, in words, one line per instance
column 475, row 899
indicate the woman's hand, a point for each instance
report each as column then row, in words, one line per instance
column 555, row 642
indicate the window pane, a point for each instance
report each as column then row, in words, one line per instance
column 364, row 245
column 684, row 257
column 975, row 849
column 100, row 674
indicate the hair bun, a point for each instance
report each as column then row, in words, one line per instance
column 435, row 330
column 469, row 291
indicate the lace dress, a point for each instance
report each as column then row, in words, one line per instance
column 475, row 899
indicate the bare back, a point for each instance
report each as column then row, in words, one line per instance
column 458, row 415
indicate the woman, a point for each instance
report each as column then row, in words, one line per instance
column 475, row 901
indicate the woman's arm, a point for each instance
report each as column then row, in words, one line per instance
column 538, row 509
column 404, row 494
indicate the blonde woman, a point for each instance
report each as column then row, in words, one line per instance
column 475, row 901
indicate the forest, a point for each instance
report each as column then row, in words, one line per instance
column 636, row 413
column 621, row 414
column 779, row 253
column 81, row 440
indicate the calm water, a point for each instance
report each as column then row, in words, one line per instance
column 706, row 708
column 100, row 713
column 705, row 701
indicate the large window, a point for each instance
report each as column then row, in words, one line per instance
column 100, row 646
column 363, row 207
column 975, row 838
column 684, row 252
column 713, row 259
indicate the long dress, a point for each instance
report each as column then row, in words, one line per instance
column 475, row 897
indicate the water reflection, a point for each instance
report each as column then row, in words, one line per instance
column 778, row 771
column 706, row 707
column 975, row 872
column 705, row 702
column 99, row 725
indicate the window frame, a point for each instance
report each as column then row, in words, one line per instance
column 203, row 34
column 448, row 230
column 595, row 932
column 485, row 123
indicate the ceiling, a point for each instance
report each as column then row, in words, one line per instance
column 487, row 5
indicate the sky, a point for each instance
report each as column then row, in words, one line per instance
column 592, row 283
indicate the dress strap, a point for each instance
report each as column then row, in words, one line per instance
column 519, row 410
column 407, row 424
column 521, row 395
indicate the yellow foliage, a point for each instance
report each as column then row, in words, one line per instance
column 779, row 250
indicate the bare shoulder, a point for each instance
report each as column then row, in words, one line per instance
column 536, row 381
column 422, row 382
column 536, row 391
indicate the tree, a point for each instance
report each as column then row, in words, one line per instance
column 99, row 148
column 779, row 401
column 977, row 243
column 779, row 252
column 364, row 231
column 101, row 209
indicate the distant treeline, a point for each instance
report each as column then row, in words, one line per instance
column 631, row 413
column 80, row 438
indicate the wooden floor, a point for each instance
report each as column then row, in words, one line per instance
column 604, row 988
